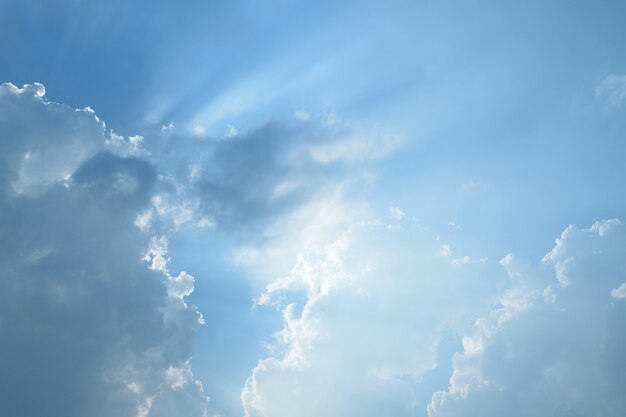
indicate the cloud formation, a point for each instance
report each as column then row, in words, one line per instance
column 88, row 214
column 552, row 346
column 88, row 327
column 365, row 309
column 250, row 179
column 98, row 323
column 380, row 298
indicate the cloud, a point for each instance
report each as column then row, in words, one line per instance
column 37, row 155
column 464, row 260
column 397, row 213
column 377, row 301
column 98, row 322
column 445, row 250
column 231, row 132
column 548, row 348
column 94, row 280
column 88, row 328
column 167, row 127
column 249, row 179
column 239, row 177
column 619, row 292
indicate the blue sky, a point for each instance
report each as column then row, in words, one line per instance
column 409, row 208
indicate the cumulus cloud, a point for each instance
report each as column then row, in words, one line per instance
column 397, row 213
column 365, row 314
column 88, row 328
column 548, row 348
column 377, row 300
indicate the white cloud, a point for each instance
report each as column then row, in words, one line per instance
column 445, row 250
column 178, row 377
column 181, row 286
column 142, row 221
column 167, row 127
column 177, row 210
column 396, row 213
column 546, row 351
column 231, row 132
column 561, row 268
column 465, row 260
column 49, row 150
column 34, row 89
column 601, row 227
column 377, row 300
column 126, row 146
column 619, row 292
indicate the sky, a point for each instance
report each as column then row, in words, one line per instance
column 316, row 209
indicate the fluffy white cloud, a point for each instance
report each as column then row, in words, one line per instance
column 364, row 314
column 88, row 329
column 548, row 349
column 364, row 311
